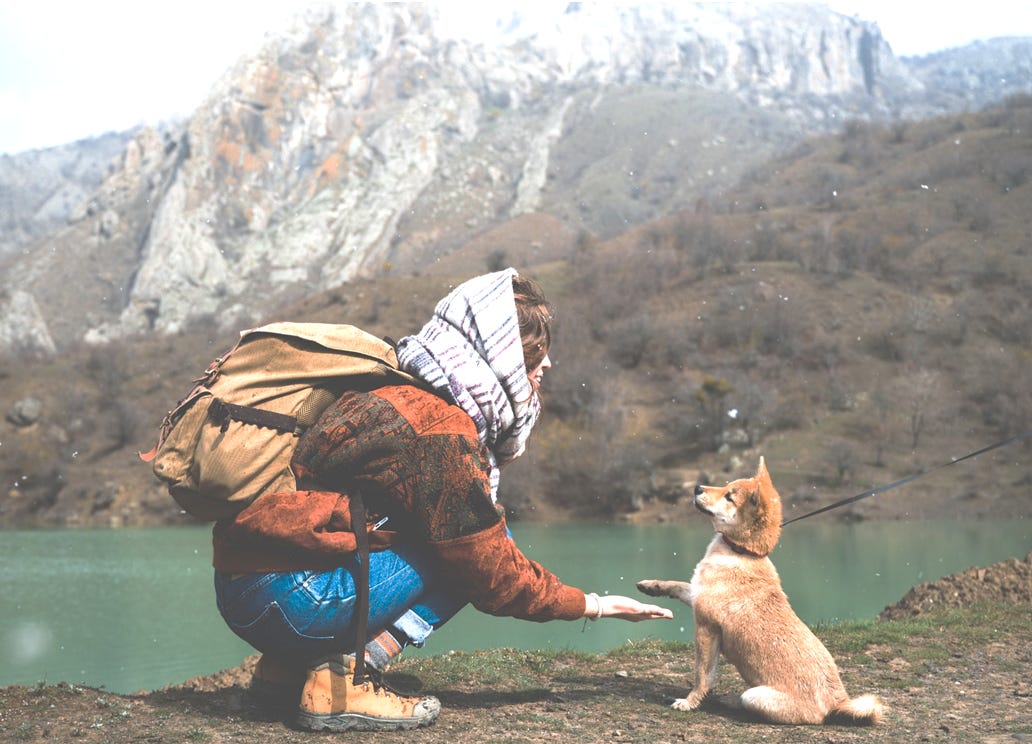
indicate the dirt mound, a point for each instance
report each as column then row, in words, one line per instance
column 239, row 676
column 1007, row 581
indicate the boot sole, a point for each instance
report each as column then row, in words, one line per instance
column 358, row 722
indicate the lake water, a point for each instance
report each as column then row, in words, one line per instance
column 134, row 609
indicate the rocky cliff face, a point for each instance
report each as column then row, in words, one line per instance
column 41, row 190
column 374, row 140
column 974, row 76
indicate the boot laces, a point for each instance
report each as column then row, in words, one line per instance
column 373, row 680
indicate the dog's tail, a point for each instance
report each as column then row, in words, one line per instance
column 864, row 710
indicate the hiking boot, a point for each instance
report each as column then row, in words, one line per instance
column 331, row 701
column 276, row 684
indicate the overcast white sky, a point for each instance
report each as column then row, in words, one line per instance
column 78, row 68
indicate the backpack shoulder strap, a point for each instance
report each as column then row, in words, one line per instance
column 358, row 524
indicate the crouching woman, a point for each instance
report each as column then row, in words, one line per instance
column 426, row 461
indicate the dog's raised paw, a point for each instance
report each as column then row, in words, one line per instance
column 648, row 586
column 680, row 590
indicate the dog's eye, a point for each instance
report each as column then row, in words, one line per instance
column 730, row 497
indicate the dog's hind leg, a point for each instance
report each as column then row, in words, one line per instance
column 778, row 706
column 707, row 655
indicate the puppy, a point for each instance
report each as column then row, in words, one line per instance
column 741, row 610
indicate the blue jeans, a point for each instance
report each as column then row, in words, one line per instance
column 309, row 614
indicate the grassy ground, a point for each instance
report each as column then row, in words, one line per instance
column 950, row 676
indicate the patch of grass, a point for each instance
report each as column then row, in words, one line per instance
column 971, row 626
column 505, row 668
column 648, row 647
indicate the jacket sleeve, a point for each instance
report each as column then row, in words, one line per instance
column 501, row 580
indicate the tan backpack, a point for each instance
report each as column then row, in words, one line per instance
column 231, row 438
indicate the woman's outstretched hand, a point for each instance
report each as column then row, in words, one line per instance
column 624, row 608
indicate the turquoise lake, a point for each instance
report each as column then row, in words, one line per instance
column 134, row 609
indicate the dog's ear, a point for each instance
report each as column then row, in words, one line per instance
column 761, row 471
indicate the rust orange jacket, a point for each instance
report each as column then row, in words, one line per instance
column 418, row 462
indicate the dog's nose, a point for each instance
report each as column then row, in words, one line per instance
column 698, row 489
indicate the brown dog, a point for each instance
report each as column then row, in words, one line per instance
column 741, row 610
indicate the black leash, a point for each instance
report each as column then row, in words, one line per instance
column 915, row 476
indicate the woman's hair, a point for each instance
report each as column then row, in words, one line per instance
column 534, row 314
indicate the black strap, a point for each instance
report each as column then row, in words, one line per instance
column 222, row 413
column 358, row 524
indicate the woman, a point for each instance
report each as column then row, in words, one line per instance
column 426, row 461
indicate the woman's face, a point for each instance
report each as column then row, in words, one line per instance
column 538, row 373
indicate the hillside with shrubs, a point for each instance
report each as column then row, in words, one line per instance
column 856, row 312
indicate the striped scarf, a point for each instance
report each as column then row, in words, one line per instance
column 471, row 352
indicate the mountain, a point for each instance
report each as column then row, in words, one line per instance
column 764, row 232
column 369, row 142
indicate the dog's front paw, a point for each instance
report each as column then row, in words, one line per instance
column 648, row 586
column 680, row 590
column 684, row 704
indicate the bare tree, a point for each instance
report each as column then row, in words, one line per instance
column 883, row 406
column 840, row 456
column 710, row 398
column 918, row 392
column 109, row 369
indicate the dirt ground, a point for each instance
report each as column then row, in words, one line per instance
column 948, row 680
